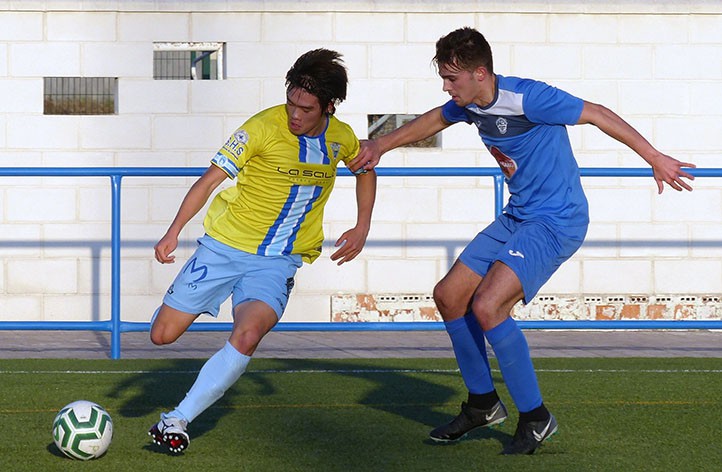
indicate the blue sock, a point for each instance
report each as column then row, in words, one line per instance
column 216, row 376
column 512, row 352
column 469, row 346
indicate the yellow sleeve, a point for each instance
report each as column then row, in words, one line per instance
column 240, row 147
column 353, row 151
column 350, row 147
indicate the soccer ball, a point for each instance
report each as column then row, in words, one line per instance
column 83, row 430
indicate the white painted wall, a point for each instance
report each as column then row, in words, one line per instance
column 659, row 64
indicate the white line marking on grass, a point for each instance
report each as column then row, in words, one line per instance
column 360, row 371
column 124, row 372
column 446, row 371
column 631, row 371
column 265, row 371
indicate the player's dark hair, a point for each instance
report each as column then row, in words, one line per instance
column 321, row 73
column 464, row 49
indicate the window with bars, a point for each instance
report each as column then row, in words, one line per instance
column 380, row 125
column 80, row 95
column 188, row 61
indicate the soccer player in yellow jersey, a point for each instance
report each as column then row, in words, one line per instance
column 258, row 233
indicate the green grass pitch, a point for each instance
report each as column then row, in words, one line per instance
column 369, row 415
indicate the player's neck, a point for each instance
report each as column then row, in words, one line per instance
column 320, row 128
column 487, row 92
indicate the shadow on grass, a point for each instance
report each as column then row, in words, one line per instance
column 390, row 388
column 305, row 406
column 161, row 388
column 53, row 449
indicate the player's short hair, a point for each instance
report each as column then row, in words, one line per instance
column 464, row 49
column 321, row 73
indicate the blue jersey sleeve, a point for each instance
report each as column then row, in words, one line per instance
column 453, row 113
column 548, row 105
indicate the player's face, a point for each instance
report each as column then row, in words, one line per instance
column 305, row 115
column 463, row 85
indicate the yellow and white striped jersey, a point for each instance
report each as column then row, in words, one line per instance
column 283, row 183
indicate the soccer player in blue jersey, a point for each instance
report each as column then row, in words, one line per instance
column 522, row 123
column 260, row 231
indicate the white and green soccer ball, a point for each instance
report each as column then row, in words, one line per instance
column 83, row 430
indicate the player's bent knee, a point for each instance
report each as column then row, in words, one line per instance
column 438, row 293
column 247, row 340
column 488, row 314
column 169, row 324
column 481, row 307
column 156, row 339
column 445, row 300
column 159, row 337
column 163, row 333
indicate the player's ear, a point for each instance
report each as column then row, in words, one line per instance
column 480, row 73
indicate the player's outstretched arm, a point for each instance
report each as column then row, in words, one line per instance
column 194, row 200
column 351, row 242
column 665, row 168
column 417, row 129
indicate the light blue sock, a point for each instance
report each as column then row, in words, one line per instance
column 216, row 376
column 467, row 339
column 512, row 352
column 155, row 315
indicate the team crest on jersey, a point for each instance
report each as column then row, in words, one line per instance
column 335, row 148
column 241, row 136
column 502, row 125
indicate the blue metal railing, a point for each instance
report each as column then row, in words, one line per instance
column 116, row 326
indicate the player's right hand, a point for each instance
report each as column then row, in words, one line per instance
column 164, row 248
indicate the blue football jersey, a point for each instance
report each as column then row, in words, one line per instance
column 524, row 128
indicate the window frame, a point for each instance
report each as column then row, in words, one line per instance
column 193, row 46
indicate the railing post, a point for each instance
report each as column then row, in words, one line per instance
column 498, row 194
column 115, row 267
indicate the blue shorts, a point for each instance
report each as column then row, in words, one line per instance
column 534, row 250
column 217, row 271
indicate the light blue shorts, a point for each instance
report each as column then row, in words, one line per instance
column 217, row 271
column 534, row 250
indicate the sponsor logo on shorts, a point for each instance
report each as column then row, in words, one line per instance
column 199, row 271
column 516, row 254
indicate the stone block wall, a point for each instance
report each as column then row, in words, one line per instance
column 657, row 64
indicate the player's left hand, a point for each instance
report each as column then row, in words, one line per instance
column 668, row 170
column 349, row 245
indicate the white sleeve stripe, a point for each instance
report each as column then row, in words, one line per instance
column 226, row 164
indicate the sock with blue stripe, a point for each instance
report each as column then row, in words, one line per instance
column 467, row 339
column 512, row 352
column 216, row 376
